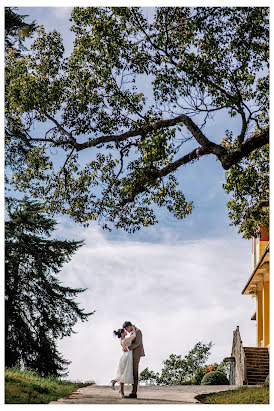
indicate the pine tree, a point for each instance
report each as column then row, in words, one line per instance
column 38, row 308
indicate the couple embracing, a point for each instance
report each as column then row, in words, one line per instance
column 131, row 341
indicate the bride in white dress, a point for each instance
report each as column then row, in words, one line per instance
column 124, row 373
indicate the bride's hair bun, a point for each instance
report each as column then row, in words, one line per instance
column 118, row 332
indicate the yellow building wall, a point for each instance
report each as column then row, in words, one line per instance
column 266, row 313
column 262, row 291
column 262, row 245
column 259, row 247
column 262, row 313
column 259, row 317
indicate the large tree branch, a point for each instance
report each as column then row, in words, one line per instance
column 251, row 144
column 140, row 131
column 227, row 159
column 241, row 136
column 140, row 185
column 71, row 139
column 146, row 128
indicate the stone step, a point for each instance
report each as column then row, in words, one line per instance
column 258, row 380
column 258, row 375
column 257, row 360
column 253, row 371
column 257, row 363
column 257, row 370
column 264, row 354
column 257, row 354
column 253, row 361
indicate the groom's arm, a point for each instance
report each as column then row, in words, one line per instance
column 137, row 341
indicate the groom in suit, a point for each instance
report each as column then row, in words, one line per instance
column 138, row 352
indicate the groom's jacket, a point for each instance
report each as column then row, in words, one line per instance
column 137, row 345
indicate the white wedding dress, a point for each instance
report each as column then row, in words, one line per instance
column 125, row 368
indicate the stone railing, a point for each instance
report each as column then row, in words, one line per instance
column 237, row 375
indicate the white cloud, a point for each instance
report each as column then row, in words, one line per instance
column 178, row 294
column 61, row 12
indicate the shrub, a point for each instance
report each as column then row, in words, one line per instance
column 189, row 382
column 200, row 373
column 266, row 383
column 215, row 378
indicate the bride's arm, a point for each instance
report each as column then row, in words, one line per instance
column 124, row 345
column 128, row 340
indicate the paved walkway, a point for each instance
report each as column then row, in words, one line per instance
column 101, row 394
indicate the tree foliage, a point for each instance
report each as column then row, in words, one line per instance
column 248, row 184
column 16, row 30
column 177, row 369
column 38, row 308
column 128, row 108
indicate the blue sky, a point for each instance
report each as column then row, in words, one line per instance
column 164, row 278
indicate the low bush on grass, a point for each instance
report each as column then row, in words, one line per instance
column 215, row 378
column 28, row 387
column 266, row 383
column 202, row 371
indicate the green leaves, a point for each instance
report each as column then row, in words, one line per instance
column 34, row 82
column 16, row 29
column 248, row 184
column 99, row 117
column 177, row 369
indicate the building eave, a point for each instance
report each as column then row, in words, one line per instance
column 261, row 260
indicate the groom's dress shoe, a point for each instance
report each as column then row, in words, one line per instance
column 132, row 396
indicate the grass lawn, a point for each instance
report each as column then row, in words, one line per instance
column 27, row 387
column 242, row 395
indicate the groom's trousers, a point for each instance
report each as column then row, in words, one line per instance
column 136, row 361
